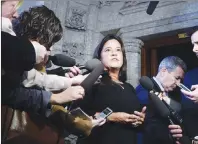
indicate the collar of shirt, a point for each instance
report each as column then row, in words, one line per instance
column 159, row 84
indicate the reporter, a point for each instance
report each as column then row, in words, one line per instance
column 48, row 25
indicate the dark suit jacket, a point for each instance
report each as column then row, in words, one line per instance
column 156, row 128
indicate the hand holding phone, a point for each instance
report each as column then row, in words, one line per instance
column 104, row 114
column 192, row 95
column 184, row 87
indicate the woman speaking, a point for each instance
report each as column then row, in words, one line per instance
column 113, row 92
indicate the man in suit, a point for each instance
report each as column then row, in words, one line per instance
column 170, row 72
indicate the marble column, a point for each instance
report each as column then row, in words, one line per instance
column 133, row 54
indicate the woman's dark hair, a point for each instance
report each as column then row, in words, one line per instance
column 98, row 50
column 39, row 24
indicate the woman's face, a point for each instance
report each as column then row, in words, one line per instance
column 111, row 54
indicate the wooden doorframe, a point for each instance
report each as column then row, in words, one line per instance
column 149, row 61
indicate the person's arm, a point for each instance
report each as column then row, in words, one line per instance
column 50, row 82
column 38, row 101
column 30, row 100
column 20, row 54
column 17, row 54
column 193, row 95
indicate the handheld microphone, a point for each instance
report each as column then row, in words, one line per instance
column 92, row 77
column 164, row 112
column 62, row 60
column 148, row 84
column 89, row 65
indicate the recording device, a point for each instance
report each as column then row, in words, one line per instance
column 89, row 66
column 164, row 112
column 148, row 84
column 92, row 77
column 105, row 113
column 65, row 61
column 78, row 112
column 183, row 87
column 62, row 60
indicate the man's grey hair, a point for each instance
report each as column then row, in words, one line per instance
column 171, row 63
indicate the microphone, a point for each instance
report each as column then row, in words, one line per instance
column 164, row 112
column 62, row 60
column 148, row 84
column 89, row 65
column 92, row 77
column 65, row 61
column 160, row 106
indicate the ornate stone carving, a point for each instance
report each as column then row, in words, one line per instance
column 129, row 4
column 136, row 6
column 76, row 51
column 106, row 3
column 76, row 19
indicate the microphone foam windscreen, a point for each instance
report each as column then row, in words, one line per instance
column 159, row 105
column 92, row 64
column 146, row 82
column 62, row 60
column 92, row 77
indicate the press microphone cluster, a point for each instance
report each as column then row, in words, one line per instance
column 65, row 61
column 163, row 108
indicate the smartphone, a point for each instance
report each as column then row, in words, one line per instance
column 184, row 87
column 105, row 113
column 78, row 112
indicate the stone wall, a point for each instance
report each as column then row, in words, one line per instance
column 86, row 22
